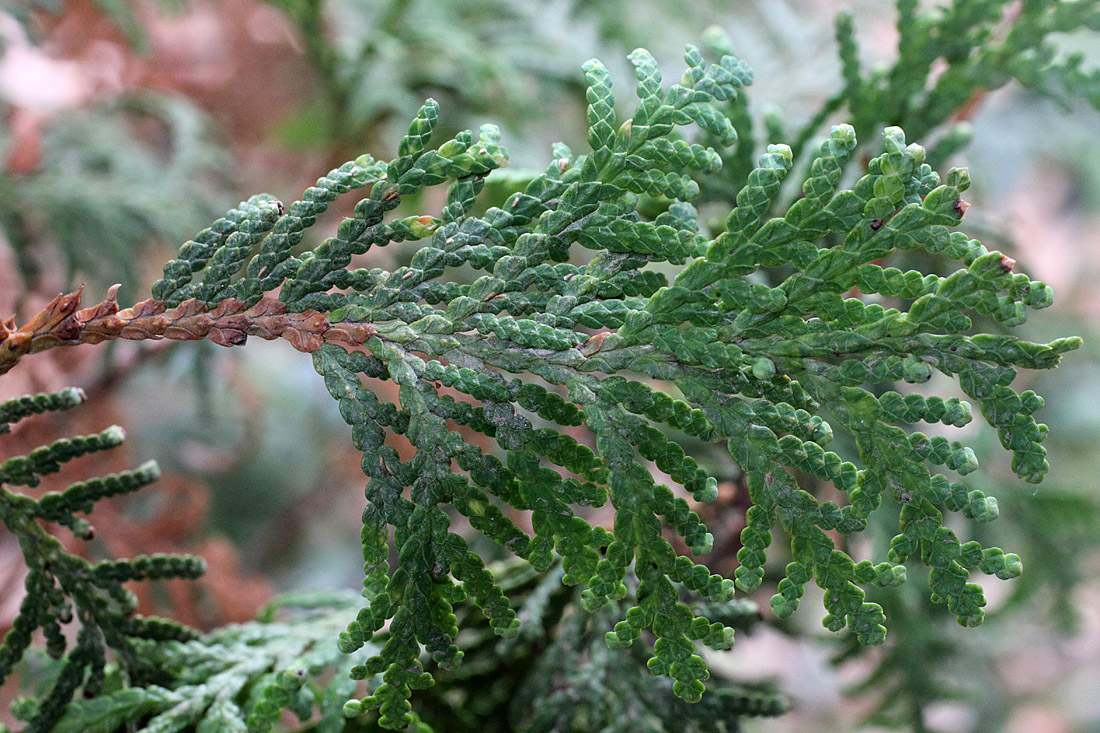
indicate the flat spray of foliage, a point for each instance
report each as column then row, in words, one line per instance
column 766, row 336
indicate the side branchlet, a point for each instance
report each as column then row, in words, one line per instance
column 63, row 589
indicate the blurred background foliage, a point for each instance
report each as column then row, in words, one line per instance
column 126, row 126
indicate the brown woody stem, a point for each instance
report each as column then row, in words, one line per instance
column 62, row 322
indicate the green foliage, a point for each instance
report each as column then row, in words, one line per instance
column 930, row 663
column 242, row 676
column 948, row 56
column 61, row 586
column 754, row 365
column 102, row 192
column 978, row 50
column 375, row 65
column 238, row 678
column 559, row 674
column 766, row 335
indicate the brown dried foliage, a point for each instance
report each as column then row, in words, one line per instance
column 62, row 322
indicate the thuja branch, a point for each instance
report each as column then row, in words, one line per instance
column 585, row 311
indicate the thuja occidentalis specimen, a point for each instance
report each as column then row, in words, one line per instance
column 550, row 352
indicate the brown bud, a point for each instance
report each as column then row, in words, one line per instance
column 302, row 340
column 61, row 307
column 108, row 307
column 1007, row 263
column 227, row 336
column 961, row 206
